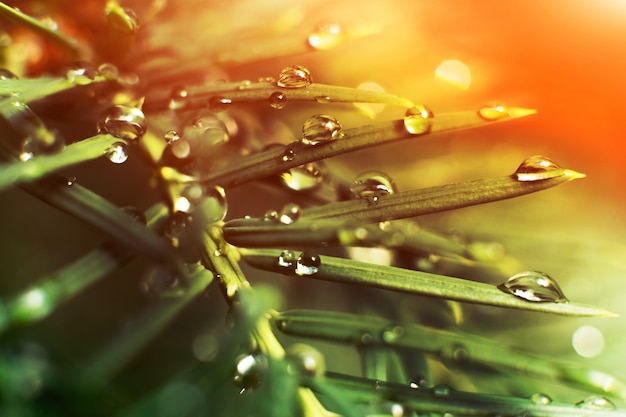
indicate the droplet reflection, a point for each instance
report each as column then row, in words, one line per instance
column 534, row 286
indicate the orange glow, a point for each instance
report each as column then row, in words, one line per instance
column 454, row 72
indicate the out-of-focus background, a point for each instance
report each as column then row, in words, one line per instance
column 564, row 58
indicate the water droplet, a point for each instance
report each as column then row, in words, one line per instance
column 267, row 80
column 108, row 71
column 493, row 112
column 307, row 359
column 287, row 259
column 455, row 354
column 117, row 153
column 208, row 129
column 178, row 98
column 540, row 399
column 372, row 185
column 71, row 181
column 289, row 214
column 308, row 263
column 244, row 85
column 205, row 347
column 5, row 74
column 121, row 19
column 176, row 224
column 323, row 99
column 124, row 122
column 171, row 136
column 304, row 177
column 537, row 168
column 326, row 36
column 157, row 280
column 392, row 334
column 294, row 76
column 43, row 142
column 441, row 390
column 418, row 382
column 271, row 216
column 219, row 103
column 214, row 205
column 249, row 371
column 418, row 120
column 534, row 286
column 321, row 128
column 289, row 155
column 136, row 214
column 81, row 73
column 596, row 402
column 278, row 100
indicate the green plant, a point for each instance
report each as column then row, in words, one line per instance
column 190, row 148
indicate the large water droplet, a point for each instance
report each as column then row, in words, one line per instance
column 392, row 334
column 137, row 215
column 540, row 398
column 372, row 185
column 157, row 280
column 117, row 153
column 537, row 168
column 271, row 216
column 288, row 155
column 5, row 74
column 176, row 224
column 287, row 259
column 43, row 142
column 290, row 214
column 307, row 359
column 493, row 112
column 596, row 402
column 441, row 390
column 304, row 177
column 249, row 371
column 108, row 71
column 278, row 100
column 81, row 73
column 214, row 206
column 171, row 136
column 219, row 103
column 326, row 36
column 179, row 98
column 321, row 128
column 418, row 120
column 534, row 286
column 121, row 19
column 308, row 263
column 124, row 122
column 294, row 76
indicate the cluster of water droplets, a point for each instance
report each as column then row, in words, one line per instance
column 534, row 286
column 371, row 186
column 321, row 128
column 305, row 264
column 127, row 123
column 289, row 214
column 537, row 168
